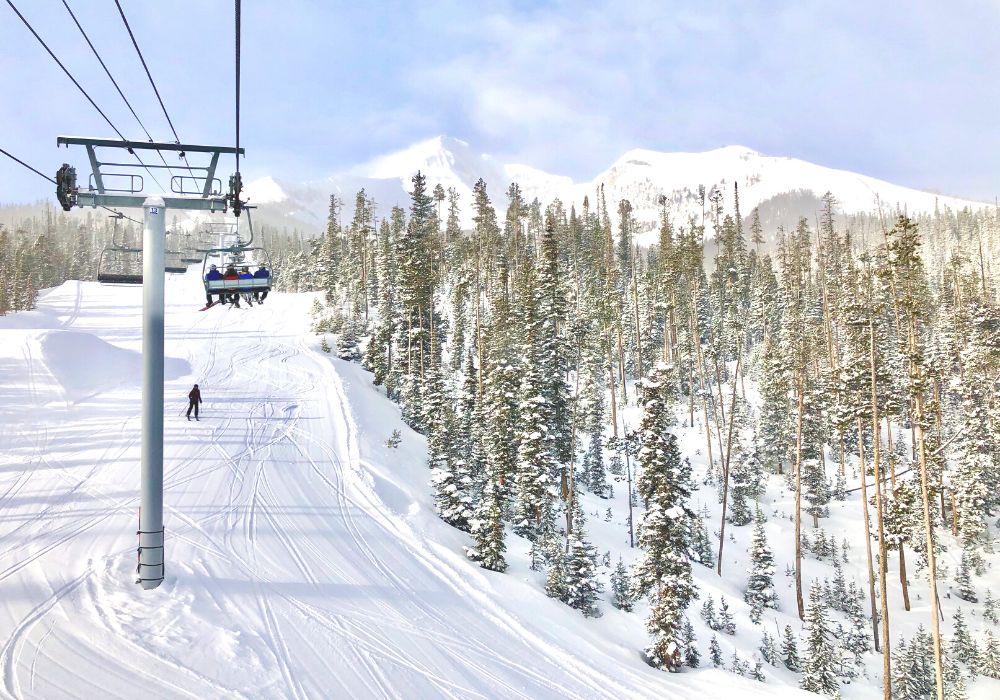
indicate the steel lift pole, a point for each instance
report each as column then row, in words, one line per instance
column 151, row 553
column 206, row 197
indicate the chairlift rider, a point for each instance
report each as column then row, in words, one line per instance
column 231, row 275
column 212, row 275
column 261, row 273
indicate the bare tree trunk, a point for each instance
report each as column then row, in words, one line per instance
column 621, row 364
column 638, row 336
column 725, row 464
column 918, row 401
column 572, row 451
column 420, row 323
column 614, row 391
column 868, row 533
column 798, row 499
column 902, row 545
column 882, row 554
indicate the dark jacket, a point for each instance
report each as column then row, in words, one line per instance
column 213, row 275
column 262, row 272
column 195, row 395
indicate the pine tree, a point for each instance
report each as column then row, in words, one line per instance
column 664, row 485
column 768, row 649
column 913, row 672
column 738, row 665
column 555, row 581
column 963, row 580
column 708, row 613
column 715, row 651
column 817, row 669
column 621, row 594
column 726, row 622
column 856, row 639
column 580, row 583
column 760, row 591
column 740, row 489
column 989, row 608
column 692, row 657
column 790, row 650
column 989, row 660
column 701, row 549
column 452, row 487
column 838, row 599
column 963, row 646
column 487, row 526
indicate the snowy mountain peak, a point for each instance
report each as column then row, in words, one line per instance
column 441, row 157
column 784, row 188
column 264, row 190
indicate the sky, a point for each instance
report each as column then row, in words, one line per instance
column 906, row 92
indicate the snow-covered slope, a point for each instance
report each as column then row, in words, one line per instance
column 304, row 559
column 641, row 176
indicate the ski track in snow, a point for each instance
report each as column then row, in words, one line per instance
column 287, row 576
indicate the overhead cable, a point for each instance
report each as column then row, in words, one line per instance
column 113, row 81
column 80, row 87
column 177, row 139
column 43, row 175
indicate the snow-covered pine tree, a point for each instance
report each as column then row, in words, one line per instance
column 817, row 668
column 701, row 549
column 534, row 509
column 913, row 670
column 740, row 488
column 989, row 608
column 487, row 526
column 664, row 571
column 621, row 593
column 715, row 651
column 692, row 657
column 738, row 665
column 963, row 580
column 838, row 588
column 768, row 649
column 857, row 639
column 760, row 591
column 592, row 401
column 726, row 622
column 581, row 587
column 963, row 646
column 790, row 650
column 989, row 659
column 452, row 495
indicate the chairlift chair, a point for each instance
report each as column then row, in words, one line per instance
column 237, row 257
column 119, row 264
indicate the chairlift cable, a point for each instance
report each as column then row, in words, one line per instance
column 21, row 162
column 149, row 75
column 114, row 82
column 80, row 87
column 41, row 174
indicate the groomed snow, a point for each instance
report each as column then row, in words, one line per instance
column 303, row 556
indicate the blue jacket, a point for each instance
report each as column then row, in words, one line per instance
column 213, row 275
column 262, row 273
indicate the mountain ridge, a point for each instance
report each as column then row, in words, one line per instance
column 640, row 175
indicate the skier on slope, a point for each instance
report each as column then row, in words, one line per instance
column 194, row 397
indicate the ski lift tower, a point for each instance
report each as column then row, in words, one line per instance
column 205, row 194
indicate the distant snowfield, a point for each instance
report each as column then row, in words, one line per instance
column 303, row 556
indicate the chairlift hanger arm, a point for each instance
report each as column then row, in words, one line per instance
column 143, row 145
